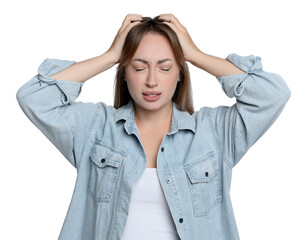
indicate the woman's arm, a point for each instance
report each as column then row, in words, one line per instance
column 260, row 98
column 50, row 105
column 214, row 65
column 82, row 71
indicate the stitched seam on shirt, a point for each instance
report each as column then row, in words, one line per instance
column 67, row 125
column 243, row 133
column 92, row 123
column 238, row 138
column 238, row 113
column 213, row 130
column 216, row 137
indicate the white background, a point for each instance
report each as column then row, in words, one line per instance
column 268, row 184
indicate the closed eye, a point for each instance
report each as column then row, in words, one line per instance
column 137, row 69
column 163, row 69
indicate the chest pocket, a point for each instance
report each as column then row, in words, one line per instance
column 106, row 164
column 204, row 183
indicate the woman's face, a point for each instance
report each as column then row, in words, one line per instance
column 154, row 69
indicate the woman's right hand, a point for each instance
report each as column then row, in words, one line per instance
column 116, row 48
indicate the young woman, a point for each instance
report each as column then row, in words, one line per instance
column 150, row 167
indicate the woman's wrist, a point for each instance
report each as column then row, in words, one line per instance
column 193, row 56
column 107, row 60
column 112, row 56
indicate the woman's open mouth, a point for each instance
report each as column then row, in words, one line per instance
column 151, row 96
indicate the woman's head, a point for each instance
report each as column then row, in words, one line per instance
column 152, row 60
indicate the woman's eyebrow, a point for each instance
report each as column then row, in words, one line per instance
column 146, row 62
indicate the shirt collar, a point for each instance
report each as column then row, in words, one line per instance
column 180, row 119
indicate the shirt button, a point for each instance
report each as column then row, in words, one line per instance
column 102, row 160
column 181, row 220
column 206, row 174
column 168, row 181
column 162, row 149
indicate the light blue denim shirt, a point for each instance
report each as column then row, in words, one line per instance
column 194, row 161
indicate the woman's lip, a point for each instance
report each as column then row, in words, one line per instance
column 149, row 92
column 151, row 98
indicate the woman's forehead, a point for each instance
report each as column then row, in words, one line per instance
column 154, row 45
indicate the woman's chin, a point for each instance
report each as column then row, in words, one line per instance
column 151, row 106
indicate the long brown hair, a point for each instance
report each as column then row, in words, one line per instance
column 183, row 93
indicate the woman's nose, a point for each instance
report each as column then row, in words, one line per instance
column 151, row 79
column 151, row 83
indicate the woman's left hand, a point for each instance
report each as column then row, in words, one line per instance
column 188, row 46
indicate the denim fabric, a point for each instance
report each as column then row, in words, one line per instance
column 194, row 161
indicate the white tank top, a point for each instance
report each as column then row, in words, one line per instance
column 149, row 215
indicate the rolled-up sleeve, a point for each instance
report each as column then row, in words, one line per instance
column 50, row 105
column 70, row 90
column 260, row 98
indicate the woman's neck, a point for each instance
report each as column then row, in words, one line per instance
column 154, row 119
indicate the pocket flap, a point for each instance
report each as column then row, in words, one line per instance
column 202, row 169
column 103, row 155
